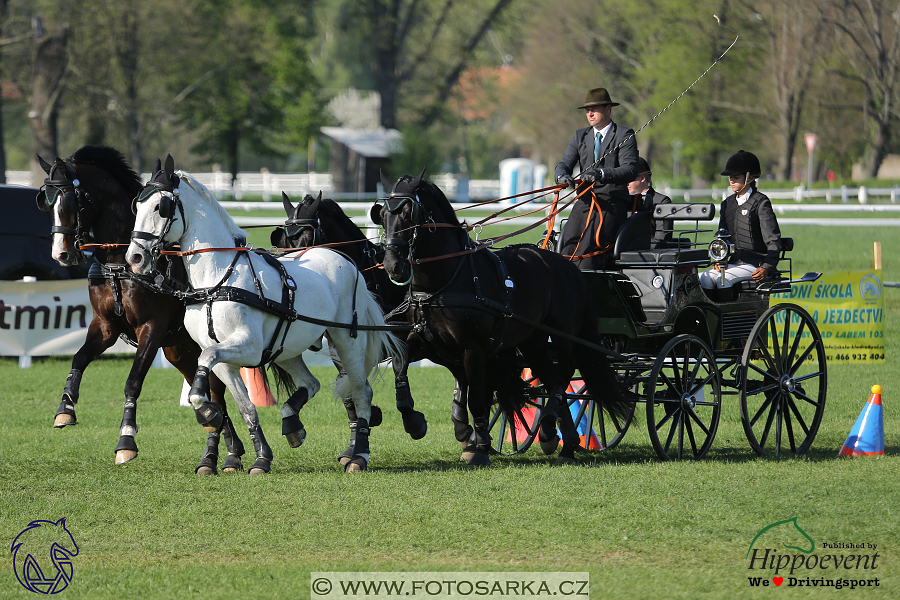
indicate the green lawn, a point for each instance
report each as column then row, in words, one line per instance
column 641, row 528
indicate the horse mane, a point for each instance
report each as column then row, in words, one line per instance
column 113, row 162
column 236, row 232
column 435, row 194
column 333, row 211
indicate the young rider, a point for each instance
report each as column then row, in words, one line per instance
column 748, row 216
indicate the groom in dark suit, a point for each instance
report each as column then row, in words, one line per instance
column 608, row 158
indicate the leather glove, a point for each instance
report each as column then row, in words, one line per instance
column 591, row 177
column 566, row 179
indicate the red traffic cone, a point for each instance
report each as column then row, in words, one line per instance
column 259, row 392
column 867, row 436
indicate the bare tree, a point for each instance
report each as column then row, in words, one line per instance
column 50, row 57
column 796, row 41
column 869, row 40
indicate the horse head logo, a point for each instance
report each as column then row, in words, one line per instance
column 30, row 552
column 870, row 287
column 788, row 532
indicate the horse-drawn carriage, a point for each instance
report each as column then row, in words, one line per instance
column 681, row 348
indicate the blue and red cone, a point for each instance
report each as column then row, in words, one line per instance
column 867, row 436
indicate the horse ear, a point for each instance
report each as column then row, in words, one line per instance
column 319, row 199
column 418, row 179
column 170, row 166
column 44, row 164
column 157, row 167
column 288, row 207
column 385, row 182
column 278, row 237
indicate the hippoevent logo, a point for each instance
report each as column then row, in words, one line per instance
column 782, row 553
column 42, row 556
column 870, row 287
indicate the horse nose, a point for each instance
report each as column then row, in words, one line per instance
column 136, row 259
column 63, row 257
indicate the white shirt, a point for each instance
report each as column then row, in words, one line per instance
column 745, row 196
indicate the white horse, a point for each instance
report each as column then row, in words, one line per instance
column 240, row 312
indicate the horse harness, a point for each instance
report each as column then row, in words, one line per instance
column 65, row 187
column 421, row 302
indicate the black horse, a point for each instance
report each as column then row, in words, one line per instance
column 92, row 191
column 317, row 221
column 473, row 304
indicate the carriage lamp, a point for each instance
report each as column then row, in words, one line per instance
column 721, row 248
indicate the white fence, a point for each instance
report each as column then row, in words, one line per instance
column 270, row 185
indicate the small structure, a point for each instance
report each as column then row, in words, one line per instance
column 357, row 155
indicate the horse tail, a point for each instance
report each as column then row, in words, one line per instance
column 284, row 383
column 598, row 373
column 380, row 345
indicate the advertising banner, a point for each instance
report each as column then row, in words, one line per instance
column 848, row 308
column 41, row 318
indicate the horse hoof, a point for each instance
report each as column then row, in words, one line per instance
column 468, row 452
column 124, row 456
column 209, row 416
column 357, row 463
column 206, row 471
column 416, row 425
column 375, row 418
column 257, row 471
column 232, row 464
column 295, row 439
column 63, row 419
column 548, row 447
column 565, row 460
column 260, row 467
column 479, row 458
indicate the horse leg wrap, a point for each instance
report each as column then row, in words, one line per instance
column 347, row 454
column 69, row 399
column 234, row 446
column 414, row 422
column 129, row 418
column 477, row 454
column 291, row 426
column 263, row 463
column 460, row 418
column 566, row 423
column 359, row 433
column 547, row 436
column 207, row 413
column 210, row 457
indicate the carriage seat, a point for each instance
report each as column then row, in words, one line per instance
column 775, row 284
column 632, row 246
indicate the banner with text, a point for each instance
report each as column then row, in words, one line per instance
column 848, row 308
column 40, row 318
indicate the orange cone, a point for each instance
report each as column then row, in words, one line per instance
column 867, row 436
column 259, row 392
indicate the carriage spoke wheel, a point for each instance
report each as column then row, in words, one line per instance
column 609, row 428
column 784, row 382
column 513, row 432
column 684, row 399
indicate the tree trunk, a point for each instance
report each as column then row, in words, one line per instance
column 50, row 58
column 2, row 144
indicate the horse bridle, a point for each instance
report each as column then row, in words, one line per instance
column 73, row 199
column 419, row 216
column 301, row 224
column 169, row 199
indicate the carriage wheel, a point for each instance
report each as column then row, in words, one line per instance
column 784, row 381
column 608, row 428
column 520, row 427
column 684, row 399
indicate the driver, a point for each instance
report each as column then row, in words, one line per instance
column 748, row 216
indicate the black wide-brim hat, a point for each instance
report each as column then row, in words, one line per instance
column 742, row 162
column 597, row 97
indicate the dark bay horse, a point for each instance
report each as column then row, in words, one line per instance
column 475, row 307
column 92, row 191
column 317, row 221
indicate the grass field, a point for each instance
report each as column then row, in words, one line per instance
column 641, row 528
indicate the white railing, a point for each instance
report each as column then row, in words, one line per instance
column 270, row 185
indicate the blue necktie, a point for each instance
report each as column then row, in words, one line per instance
column 597, row 139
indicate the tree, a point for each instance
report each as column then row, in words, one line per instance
column 795, row 42
column 257, row 88
column 869, row 40
column 49, row 68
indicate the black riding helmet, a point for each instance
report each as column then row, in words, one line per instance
column 742, row 162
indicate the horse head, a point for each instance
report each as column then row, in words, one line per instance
column 155, row 211
column 400, row 213
column 87, row 192
column 302, row 227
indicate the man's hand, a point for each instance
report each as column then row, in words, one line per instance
column 591, row 176
column 717, row 266
column 566, row 180
column 759, row 274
